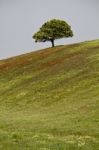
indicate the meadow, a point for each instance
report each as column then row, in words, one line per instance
column 49, row 99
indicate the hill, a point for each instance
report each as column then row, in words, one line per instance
column 49, row 99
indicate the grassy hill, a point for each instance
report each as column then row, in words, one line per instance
column 49, row 99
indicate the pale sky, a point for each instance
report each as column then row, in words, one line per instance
column 20, row 19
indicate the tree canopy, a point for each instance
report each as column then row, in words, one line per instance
column 52, row 30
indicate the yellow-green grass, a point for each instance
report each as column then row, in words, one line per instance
column 49, row 99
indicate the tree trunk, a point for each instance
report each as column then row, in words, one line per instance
column 52, row 41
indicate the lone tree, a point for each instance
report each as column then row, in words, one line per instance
column 52, row 30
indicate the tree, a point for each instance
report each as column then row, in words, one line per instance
column 52, row 30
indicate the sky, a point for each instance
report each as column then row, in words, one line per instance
column 20, row 19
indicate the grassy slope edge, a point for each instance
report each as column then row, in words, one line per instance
column 49, row 99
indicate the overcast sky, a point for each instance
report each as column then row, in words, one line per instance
column 19, row 19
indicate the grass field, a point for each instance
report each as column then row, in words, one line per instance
column 49, row 99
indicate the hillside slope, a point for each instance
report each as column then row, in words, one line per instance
column 49, row 99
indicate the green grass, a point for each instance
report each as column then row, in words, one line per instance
column 49, row 99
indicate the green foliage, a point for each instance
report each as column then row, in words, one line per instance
column 52, row 30
column 49, row 99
